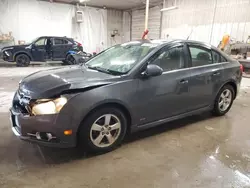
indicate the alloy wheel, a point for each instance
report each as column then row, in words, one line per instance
column 105, row 130
column 225, row 100
column 22, row 60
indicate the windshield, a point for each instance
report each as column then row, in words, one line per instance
column 32, row 41
column 122, row 58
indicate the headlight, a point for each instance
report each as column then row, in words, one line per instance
column 7, row 53
column 47, row 106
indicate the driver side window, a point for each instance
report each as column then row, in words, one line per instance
column 170, row 59
column 40, row 42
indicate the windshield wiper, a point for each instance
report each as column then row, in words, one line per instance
column 107, row 71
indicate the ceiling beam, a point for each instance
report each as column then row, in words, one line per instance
column 81, row 4
column 138, row 7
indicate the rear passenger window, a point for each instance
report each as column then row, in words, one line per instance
column 216, row 57
column 61, row 41
column 200, row 56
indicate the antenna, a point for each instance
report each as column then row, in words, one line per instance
column 190, row 34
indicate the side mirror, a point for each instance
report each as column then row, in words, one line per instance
column 152, row 70
column 30, row 46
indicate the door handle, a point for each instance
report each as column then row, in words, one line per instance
column 184, row 82
column 216, row 73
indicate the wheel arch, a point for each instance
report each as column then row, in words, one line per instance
column 19, row 53
column 70, row 53
column 234, row 85
column 115, row 104
column 231, row 83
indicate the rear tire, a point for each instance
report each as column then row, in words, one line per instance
column 103, row 130
column 69, row 60
column 224, row 100
column 22, row 60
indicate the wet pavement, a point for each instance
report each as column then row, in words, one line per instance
column 200, row 151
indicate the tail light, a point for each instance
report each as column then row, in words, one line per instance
column 241, row 68
column 78, row 43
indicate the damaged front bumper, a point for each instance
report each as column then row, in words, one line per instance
column 45, row 130
column 7, row 56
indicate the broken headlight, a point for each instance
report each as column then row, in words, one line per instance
column 48, row 106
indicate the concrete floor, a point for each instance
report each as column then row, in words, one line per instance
column 201, row 151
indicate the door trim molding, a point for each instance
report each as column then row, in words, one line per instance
column 159, row 122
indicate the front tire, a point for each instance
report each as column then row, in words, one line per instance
column 103, row 130
column 22, row 60
column 224, row 100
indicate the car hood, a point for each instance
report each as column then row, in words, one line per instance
column 49, row 83
column 15, row 47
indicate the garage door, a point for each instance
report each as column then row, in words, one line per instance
column 138, row 21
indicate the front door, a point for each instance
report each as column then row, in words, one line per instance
column 205, row 77
column 60, row 48
column 168, row 94
column 38, row 50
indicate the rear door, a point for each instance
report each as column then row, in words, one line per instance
column 206, row 75
column 60, row 48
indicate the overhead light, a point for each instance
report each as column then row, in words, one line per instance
column 169, row 8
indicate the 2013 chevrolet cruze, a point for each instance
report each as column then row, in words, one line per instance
column 128, row 87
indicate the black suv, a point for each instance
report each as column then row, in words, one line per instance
column 41, row 49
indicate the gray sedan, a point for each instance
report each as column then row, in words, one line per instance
column 126, row 88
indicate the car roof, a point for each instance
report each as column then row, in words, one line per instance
column 56, row 37
column 171, row 41
column 193, row 42
column 164, row 42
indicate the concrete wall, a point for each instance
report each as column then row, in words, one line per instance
column 208, row 20
column 115, row 19
column 126, row 26
column 121, row 21
column 154, row 21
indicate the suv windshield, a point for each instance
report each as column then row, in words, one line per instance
column 32, row 41
column 120, row 59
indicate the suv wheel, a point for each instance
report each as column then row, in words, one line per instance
column 64, row 62
column 70, row 60
column 22, row 60
column 224, row 100
column 103, row 130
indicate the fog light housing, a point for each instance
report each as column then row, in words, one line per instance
column 68, row 132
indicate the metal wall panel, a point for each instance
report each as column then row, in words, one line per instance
column 208, row 20
column 138, row 21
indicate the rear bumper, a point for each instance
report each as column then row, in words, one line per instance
column 28, row 127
